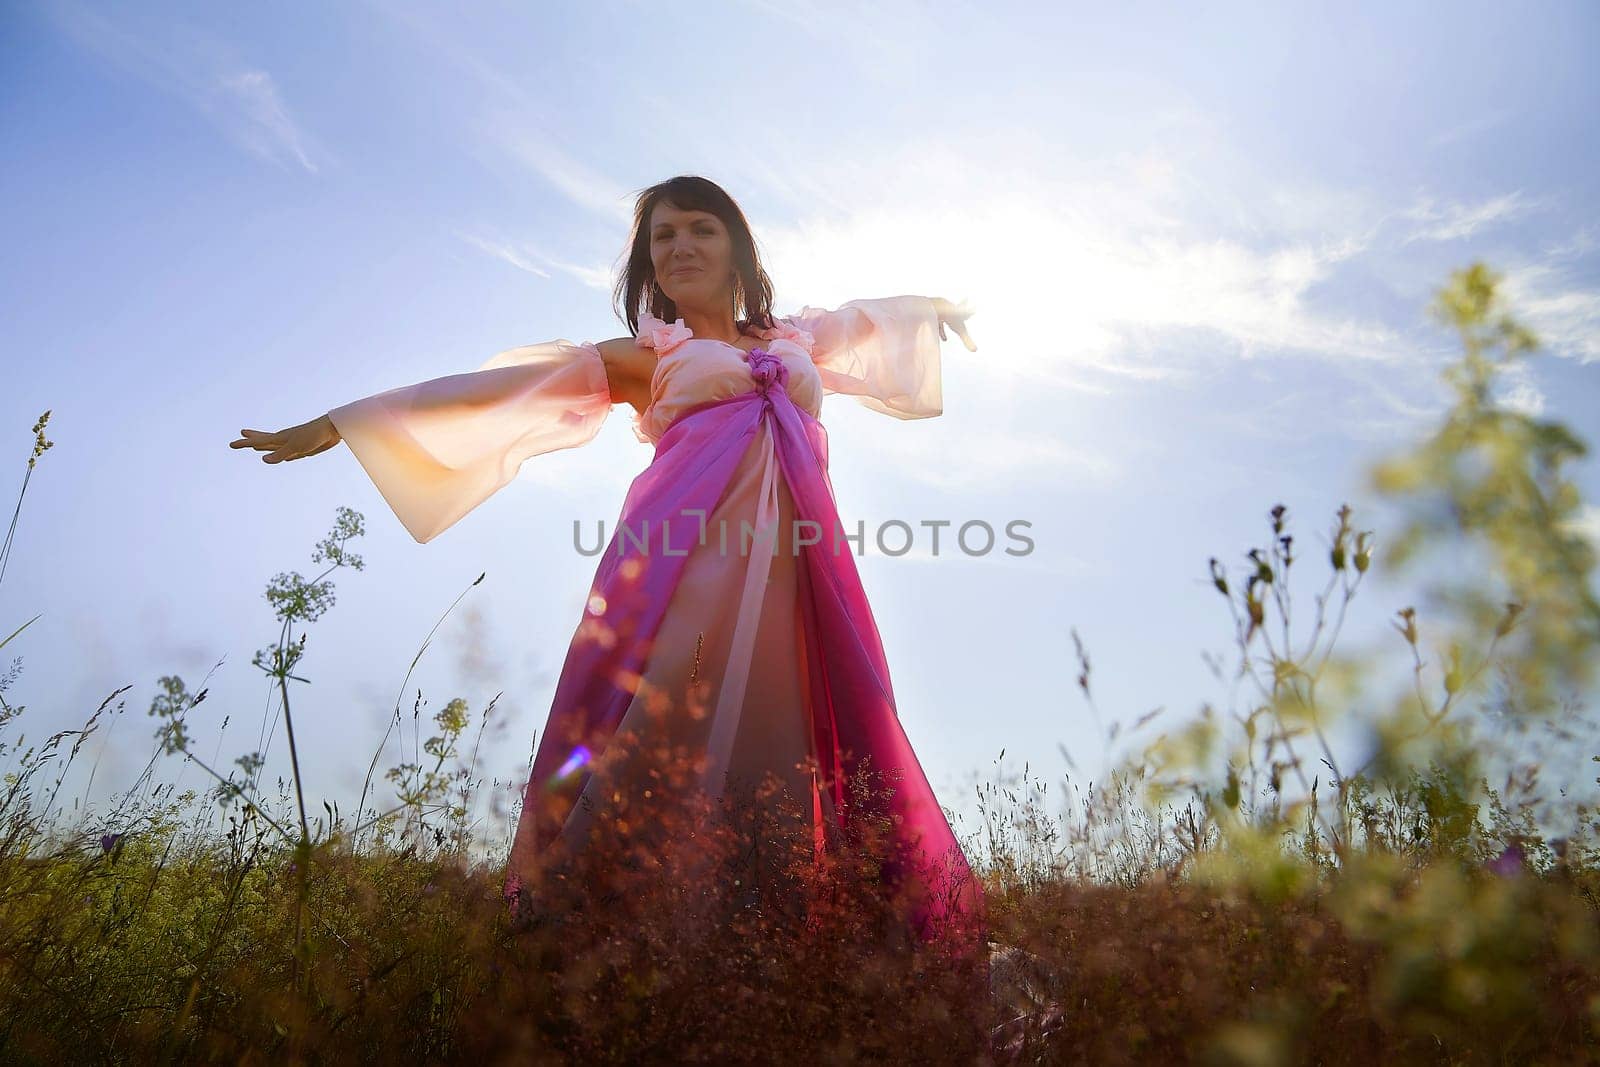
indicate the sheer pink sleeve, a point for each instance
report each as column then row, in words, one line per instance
column 438, row 449
column 884, row 352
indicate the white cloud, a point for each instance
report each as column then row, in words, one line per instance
column 579, row 183
column 1580, row 242
column 1452, row 221
column 1085, row 281
column 241, row 100
column 505, row 251
column 1517, row 390
column 254, row 114
column 522, row 255
column 508, row 125
column 1587, row 523
column 1383, row 410
column 1564, row 316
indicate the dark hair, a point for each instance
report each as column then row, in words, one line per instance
column 637, row 289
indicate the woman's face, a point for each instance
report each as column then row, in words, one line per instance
column 692, row 253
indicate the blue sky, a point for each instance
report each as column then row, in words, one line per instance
column 1200, row 245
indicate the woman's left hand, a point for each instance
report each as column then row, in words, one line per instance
column 956, row 316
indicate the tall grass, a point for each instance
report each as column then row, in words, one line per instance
column 1232, row 892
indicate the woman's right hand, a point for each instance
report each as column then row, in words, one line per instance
column 297, row 442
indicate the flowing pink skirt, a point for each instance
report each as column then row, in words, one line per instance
column 776, row 631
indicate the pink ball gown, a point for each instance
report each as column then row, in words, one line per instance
column 714, row 574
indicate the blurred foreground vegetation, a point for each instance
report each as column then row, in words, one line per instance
column 1231, row 893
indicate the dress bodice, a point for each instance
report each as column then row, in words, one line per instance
column 437, row 449
column 691, row 371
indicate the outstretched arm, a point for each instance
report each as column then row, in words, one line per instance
column 437, row 449
column 884, row 352
column 296, row 442
column 626, row 374
column 955, row 316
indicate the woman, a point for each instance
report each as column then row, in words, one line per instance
column 725, row 590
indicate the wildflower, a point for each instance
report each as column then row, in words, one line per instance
column 109, row 841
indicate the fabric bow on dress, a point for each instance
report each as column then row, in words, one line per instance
column 766, row 369
column 788, row 331
column 661, row 335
